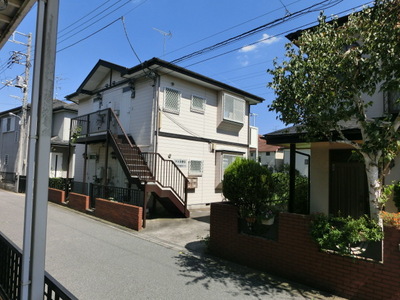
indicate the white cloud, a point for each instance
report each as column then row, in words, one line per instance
column 265, row 40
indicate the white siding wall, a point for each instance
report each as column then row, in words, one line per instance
column 319, row 178
column 141, row 121
column 193, row 150
column 199, row 124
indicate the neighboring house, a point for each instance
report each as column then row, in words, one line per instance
column 338, row 181
column 161, row 129
column 276, row 157
column 14, row 147
column 268, row 155
column 61, row 156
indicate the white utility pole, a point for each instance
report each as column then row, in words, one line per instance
column 23, row 84
column 37, row 186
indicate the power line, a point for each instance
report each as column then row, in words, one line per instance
column 230, row 28
column 253, row 31
column 90, row 35
column 80, row 19
column 130, row 44
column 263, row 40
column 98, row 20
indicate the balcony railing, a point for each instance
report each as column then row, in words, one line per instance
column 165, row 172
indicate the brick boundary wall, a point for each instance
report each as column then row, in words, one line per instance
column 78, row 202
column 120, row 213
column 296, row 256
column 56, row 196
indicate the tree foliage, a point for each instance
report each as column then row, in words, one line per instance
column 249, row 186
column 327, row 83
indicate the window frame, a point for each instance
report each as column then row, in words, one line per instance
column 169, row 109
column 196, row 109
column 192, row 172
column 235, row 109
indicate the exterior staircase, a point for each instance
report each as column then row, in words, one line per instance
column 158, row 176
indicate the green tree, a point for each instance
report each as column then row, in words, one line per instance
column 248, row 185
column 328, row 79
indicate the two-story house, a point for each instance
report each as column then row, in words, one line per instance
column 338, row 178
column 159, row 128
column 14, row 143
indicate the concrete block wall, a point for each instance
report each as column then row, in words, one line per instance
column 296, row 256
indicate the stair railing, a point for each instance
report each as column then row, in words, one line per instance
column 165, row 172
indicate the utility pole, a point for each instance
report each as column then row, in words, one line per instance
column 22, row 83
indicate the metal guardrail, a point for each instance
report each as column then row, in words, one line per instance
column 11, row 272
column 123, row 195
column 164, row 172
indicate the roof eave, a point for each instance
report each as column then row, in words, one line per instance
column 155, row 63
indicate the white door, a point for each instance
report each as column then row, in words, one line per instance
column 56, row 164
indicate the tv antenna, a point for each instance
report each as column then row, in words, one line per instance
column 165, row 34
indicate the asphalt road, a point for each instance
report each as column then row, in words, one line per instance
column 97, row 260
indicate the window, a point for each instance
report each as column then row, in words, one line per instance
column 267, row 153
column 227, row 159
column 196, row 167
column 234, row 108
column 6, row 159
column 392, row 98
column 222, row 160
column 172, row 99
column 8, row 124
column 198, row 104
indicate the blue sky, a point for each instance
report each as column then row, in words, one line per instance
column 194, row 25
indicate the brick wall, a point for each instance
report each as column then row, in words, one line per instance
column 296, row 256
column 56, row 196
column 120, row 213
column 78, row 202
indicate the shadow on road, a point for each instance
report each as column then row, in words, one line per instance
column 208, row 270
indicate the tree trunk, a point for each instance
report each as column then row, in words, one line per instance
column 374, row 185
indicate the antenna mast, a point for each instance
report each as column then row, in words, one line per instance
column 165, row 34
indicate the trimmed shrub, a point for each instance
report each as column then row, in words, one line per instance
column 249, row 186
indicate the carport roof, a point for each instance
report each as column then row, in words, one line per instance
column 12, row 12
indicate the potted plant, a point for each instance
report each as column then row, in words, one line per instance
column 269, row 217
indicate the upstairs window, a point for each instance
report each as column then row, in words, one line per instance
column 234, row 108
column 198, row 104
column 6, row 159
column 172, row 100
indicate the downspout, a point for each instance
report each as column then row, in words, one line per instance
column 107, row 145
column 292, row 177
column 156, row 115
